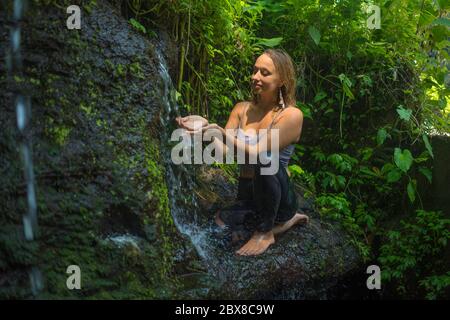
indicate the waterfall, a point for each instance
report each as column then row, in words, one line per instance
column 181, row 186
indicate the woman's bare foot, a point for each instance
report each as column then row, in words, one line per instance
column 258, row 243
column 298, row 218
column 261, row 241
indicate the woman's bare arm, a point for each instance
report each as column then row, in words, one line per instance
column 232, row 123
column 289, row 127
column 235, row 116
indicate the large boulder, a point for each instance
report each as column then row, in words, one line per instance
column 306, row 262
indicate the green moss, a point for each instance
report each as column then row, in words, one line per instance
column 90, row 6
column 159, row 197
column 18, row 79
column 136, row 70
column 57, row 132
column 119, row 71
column 101, row 123
column 87, row 108
column 35, row 82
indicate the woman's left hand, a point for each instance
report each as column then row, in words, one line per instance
column 192, row 122
column 211, row 126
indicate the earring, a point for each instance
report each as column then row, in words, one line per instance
column 281, row 99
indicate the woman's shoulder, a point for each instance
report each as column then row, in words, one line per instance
column 242, row 104
column 293, row 110
column 292, row 115
column 240, row 107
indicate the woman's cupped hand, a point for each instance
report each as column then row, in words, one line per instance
column 196, row 124
column 192, row 123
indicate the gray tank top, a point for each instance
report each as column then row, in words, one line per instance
column 285, row 153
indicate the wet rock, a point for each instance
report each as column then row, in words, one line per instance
column 306, row 262
column 96, row 105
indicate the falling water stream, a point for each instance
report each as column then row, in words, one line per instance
column 179, row 178
column 180, row 181
column 23, row 113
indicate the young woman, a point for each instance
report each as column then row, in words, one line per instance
column 265, row 203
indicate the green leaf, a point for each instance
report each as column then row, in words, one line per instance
column 349, row 55
column 405, row 114
column 426, row 18
column 443, row 4
column 348, row 92
column 296, row 170
column 381, row 136
column 345, row 80
column 440, row 33
column 403, row 159
column 427, row 173
column 315, row 34
column 411, row 190
column 387, row 167
column 346, row 85
column 442, row 44
column 394, row 175
column 307, row 113
column 266, row 42
column 137, row 25
column 428, row 145
column 341, row 181
column 368, row 172
column 319, row 96
column 424, row 156
column 441, row 22
column 178, row 96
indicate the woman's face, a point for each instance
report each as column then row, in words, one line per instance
column 265, row 78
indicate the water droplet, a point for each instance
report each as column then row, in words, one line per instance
column 35, row 280
column 18, row 9
column 20, row 111
column 31, row 198
column 28, row 228
column 15, row 39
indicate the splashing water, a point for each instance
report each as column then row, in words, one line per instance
column 123, row 240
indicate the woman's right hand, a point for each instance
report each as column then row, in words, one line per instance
column 191, row 123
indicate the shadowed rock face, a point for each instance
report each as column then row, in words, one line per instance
column 304, row 263
column 100, row 181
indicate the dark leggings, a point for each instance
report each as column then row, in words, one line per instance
column 262, row 201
